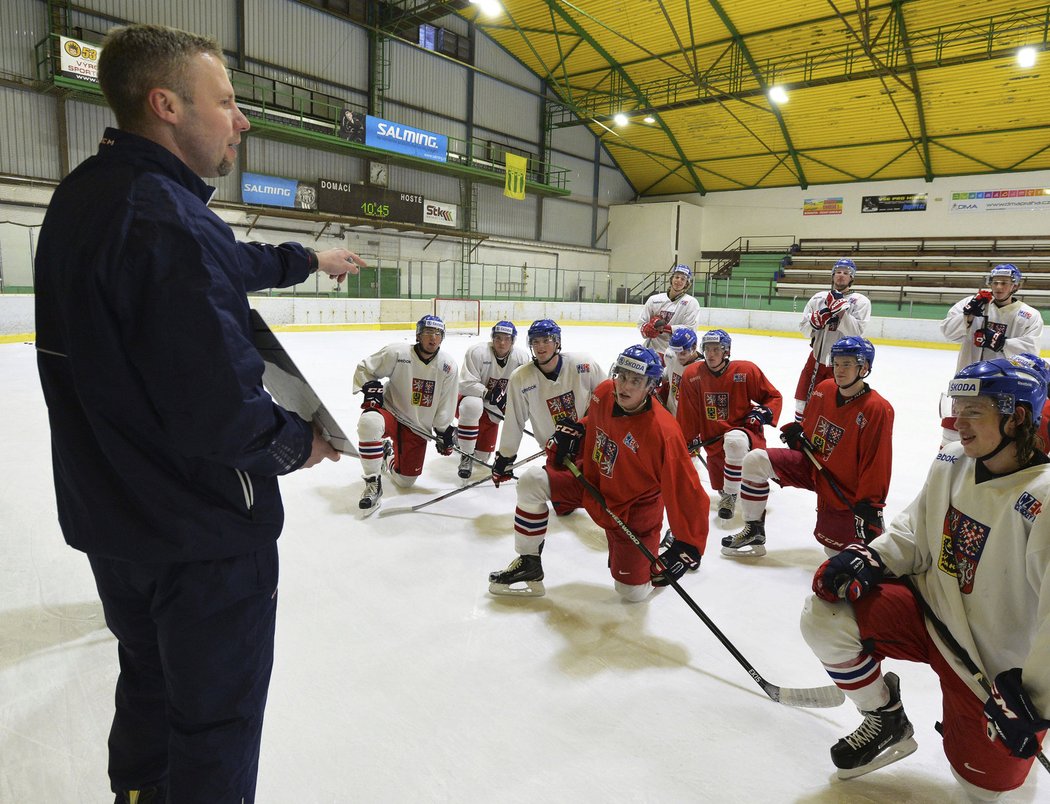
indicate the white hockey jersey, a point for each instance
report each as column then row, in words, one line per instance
column 481, row 371
column 673, row 371
column 682, row 312
column 535, row 398
column 421, row 394
column 853, row 321
column 979, row 553
column 1022, row 324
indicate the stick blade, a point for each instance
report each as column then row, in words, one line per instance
column 809, row 697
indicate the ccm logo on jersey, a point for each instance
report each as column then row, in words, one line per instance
column 1028, row 506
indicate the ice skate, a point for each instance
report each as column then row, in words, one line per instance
column 749, row 543
column 465, row 466
column 885, row 736
column 523, row 578
column 372, row 497
column 726, row 505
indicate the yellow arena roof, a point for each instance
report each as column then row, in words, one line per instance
column 874, row 90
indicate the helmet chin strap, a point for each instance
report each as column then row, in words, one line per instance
column 1004, row 442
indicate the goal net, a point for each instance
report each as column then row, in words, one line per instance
column 461, row 316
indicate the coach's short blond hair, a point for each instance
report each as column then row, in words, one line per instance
column 138, row 58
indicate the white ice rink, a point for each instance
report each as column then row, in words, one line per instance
column 398, row 678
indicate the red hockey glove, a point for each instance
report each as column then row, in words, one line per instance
column 652, row 328
column 989, row 338
column 819, row 319
column 978, row 303
column 758, row 418
column 849, row 575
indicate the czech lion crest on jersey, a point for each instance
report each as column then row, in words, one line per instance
column 716, row 407
column 562, row 406
column 604, row 453
column 962, row 542
column 826, row 436
column 422, row 393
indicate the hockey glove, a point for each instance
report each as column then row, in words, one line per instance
column 793, row 435
column 868, row 520
column 834, row 295
column 849, row 575
column 678, row 559
column 978, row 303
column 1012, row 715
column 497, row 395
column 651, row 328
column 989, row 338
column 819, row 319
column 758, row 418
column 443, row 441
column 501, row 469
column 373, row 391
column 565, row 443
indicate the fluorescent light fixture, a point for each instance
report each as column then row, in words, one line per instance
column 650, row 119
column 1026, row 57
column 778, row 95
column 620, row 119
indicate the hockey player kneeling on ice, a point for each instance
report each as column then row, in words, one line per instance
column 975, row 544
column 848, row 427
column 483, row 380
column 631, row 449
column 420, row 394
column 680, row 355
column 724, row 407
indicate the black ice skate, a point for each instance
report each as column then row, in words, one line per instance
column 523, row 578
column 465, row 467
column 372, row 497
column 726, row 505
column 885, row 736
column 749, row 543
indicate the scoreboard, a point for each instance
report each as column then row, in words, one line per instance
column 366, row 201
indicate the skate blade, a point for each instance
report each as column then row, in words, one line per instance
column 367, row 513
column 892, row 754
column 520, row 589
column 747, row 551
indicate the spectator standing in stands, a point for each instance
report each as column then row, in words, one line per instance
column 829, row 316
column 991, row 323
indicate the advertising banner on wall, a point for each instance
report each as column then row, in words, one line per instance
column 893, row 203
column 375, row 132
column 822, row 206
column 514, row 181
column 274, row 191
column 436, row 213
column 1024, row 200
column 78, row 59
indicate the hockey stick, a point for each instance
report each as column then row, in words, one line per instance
column 959, row 651
column 938, row 626
column 812, row 697
column 433, row 438
column 454, row 492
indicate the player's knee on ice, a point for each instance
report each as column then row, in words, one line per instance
column 976, row 793
column 633, row 594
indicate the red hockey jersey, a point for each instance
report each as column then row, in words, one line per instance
column 637, row 460
column 710, row 405
column 854, row 441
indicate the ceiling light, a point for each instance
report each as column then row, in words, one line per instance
column 1026, row 57
column 778, row 95
column 650, row 119
column 620, row 119
column 490, row 8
